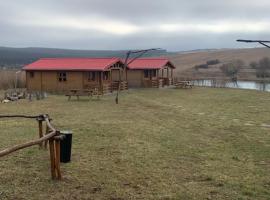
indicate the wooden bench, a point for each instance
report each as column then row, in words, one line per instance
column 78, row 93
column 183, row 84
column 89, row 93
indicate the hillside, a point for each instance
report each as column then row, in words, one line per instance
column 17, row 57
column 185, row 62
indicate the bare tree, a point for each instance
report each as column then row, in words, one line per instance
column 262, row 67
column 232, row 69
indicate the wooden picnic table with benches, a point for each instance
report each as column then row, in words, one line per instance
column 183, row 84
column 83, row 92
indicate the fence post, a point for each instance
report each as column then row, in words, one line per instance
column 57, row 160
column 55, row 156
column 47, row 131
column 40, row 129
column 52, row 157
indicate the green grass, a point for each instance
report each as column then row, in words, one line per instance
column 156, row 144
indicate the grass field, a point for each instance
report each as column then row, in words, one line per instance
column 156, row 144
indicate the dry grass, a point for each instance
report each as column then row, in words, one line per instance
column 156, row 144
column 8, row 79
column 185, row 62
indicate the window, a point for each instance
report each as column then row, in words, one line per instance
column 91, row 76
column 32, row 74
column 106, row 76
column 62, row 76
column 146, row 74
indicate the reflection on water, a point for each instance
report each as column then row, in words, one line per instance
column 253, row 85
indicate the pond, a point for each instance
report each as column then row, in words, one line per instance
column 252, row 85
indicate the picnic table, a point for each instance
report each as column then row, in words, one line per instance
column 183, row 84
column 83, row 92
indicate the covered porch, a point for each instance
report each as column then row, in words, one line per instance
column 166, row 75
column 158, row 78
column 106, row 81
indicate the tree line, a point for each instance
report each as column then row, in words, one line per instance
column 232, row 68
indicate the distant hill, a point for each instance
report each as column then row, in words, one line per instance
column 18, row 57
column 185, row 61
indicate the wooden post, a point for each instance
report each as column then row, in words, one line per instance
column 111, row 84
column 52, row 157
column 101, row 83
column 172, row 75
column 120, row 79
column 40, row 129
column 57, row 159
column 46, row 133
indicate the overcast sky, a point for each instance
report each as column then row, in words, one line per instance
column 174, row 25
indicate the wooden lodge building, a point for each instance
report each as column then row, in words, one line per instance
column 58, row 75
column 150, row 72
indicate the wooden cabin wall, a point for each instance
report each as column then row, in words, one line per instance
column 135, row 78
column 48, row 81
column 33, row 83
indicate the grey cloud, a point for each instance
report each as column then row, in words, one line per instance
column 141, row 13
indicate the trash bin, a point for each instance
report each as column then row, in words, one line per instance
column 65, row 147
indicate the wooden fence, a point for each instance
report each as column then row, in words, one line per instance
column 51, row 136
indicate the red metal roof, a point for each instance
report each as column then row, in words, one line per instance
column 72, row 64
column 150, row 63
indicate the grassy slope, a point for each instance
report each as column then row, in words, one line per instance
column 189, row 60
column 156, row 144
column 185, row 62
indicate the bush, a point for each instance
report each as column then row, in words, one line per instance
column 202, row 66
column 254, row 65
column 231, row 69
column 262, row 67
column 213, row 62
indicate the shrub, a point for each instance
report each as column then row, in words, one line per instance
column 231, row 69
column 213, row 62
column 202, row 66
column 262, row 67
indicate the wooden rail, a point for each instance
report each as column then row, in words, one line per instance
column 51, row 135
